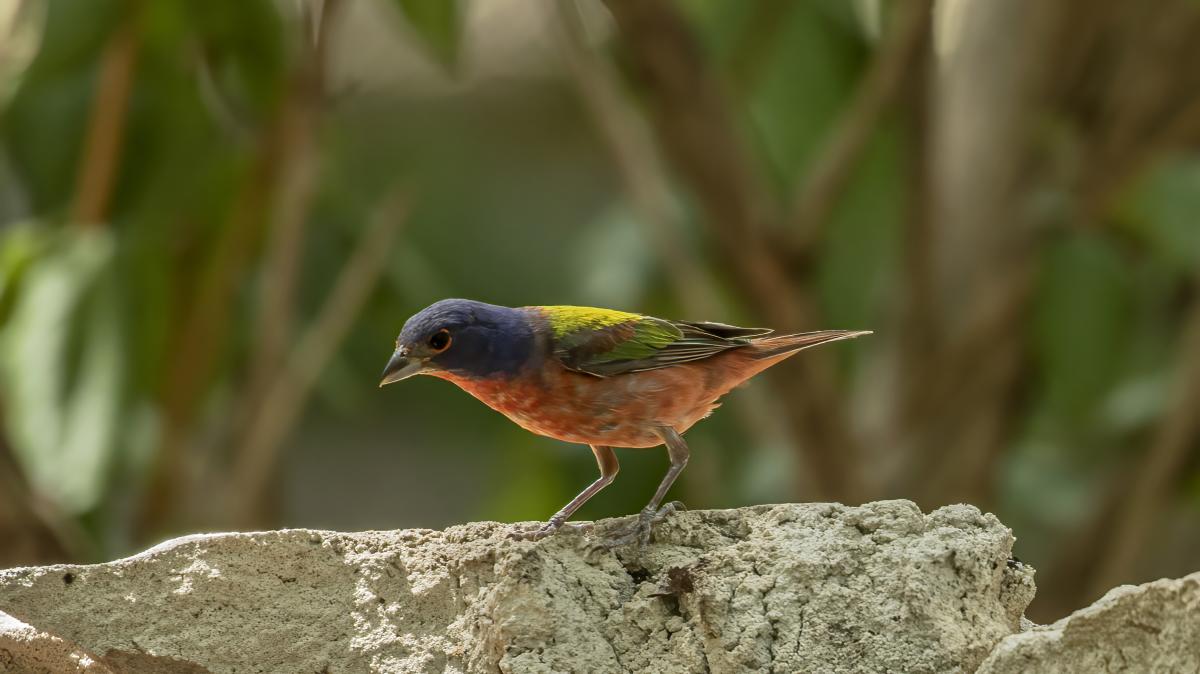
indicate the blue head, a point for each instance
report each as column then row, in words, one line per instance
column 465, row 337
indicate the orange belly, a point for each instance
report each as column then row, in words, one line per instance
column 619, row 411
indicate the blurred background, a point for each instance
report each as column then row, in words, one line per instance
column 215, row 217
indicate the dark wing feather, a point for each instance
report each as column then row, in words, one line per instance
column 728, row 331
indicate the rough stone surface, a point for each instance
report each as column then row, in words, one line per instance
column 24, row 648
column 1146, row 628
column 788, row 588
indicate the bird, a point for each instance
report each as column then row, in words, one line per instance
column 599, row 377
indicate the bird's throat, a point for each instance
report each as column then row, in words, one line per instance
column 507, row 395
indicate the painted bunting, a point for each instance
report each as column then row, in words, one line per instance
column 598, row 377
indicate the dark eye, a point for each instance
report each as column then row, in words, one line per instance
column 440, row 341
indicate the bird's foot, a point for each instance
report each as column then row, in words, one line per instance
column 639, row 530
column 553, row 526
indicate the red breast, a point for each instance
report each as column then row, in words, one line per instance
column 618, row 411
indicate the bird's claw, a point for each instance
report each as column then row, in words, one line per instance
column 639, row 530
column 553, row 526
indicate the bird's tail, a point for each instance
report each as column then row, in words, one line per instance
column 763, row 352
column 776, row 348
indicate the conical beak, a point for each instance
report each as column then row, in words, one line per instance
column 400, row 366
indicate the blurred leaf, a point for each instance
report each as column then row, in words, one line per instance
column 438, row 23
column 1081, row 322
column 21, row 25
column 42, row 127
column 42, row 130
column 862, row 238
column 870, row 16
column 1046, row 491
column 14, row 204
column 1161, row 211
column 75, row 32
column 799, row 92
column 615, row 235
column 64, row 427
column 21, row 245
column 802, row 89
column 243, row 53
column 1135, row 403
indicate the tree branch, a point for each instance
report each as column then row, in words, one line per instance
column 699, row 137
column 833, row 167
column 293, row 199
column 290, row 390
column 1157, row 474
column 106, row 126
column 201, row 330
column 632, row 147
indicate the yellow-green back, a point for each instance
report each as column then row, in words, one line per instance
column 565, row 320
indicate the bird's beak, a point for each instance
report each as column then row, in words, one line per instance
column 400, row 366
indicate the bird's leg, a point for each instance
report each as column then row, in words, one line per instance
column 652, row 514
column 606, row 459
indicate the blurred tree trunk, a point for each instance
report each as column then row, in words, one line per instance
column 1017, row 71
column 974, row 272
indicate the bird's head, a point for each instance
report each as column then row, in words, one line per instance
column 462, row 337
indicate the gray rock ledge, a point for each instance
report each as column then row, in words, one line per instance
column 1145, row 628
column 786, row 588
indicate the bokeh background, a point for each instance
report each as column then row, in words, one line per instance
column 215, row 217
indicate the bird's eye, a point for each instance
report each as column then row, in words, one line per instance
column 440, row 341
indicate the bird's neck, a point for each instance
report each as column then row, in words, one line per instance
column 505, row 394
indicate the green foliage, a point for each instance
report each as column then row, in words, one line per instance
column 857, row 260
column 804, row 83
column 439, row 24
column 1161, row 212
column 42, row 126
column 74, row 32
column 242, row 46
column 64, row 366
column 1082, row 322
column 515, row 200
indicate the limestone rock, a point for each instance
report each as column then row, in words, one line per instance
column 1146, row 628
column 787, row 588
column 24, row 648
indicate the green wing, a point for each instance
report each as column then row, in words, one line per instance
column 605, row 342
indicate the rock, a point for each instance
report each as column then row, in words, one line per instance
column 1146, row 628
column 26, row 649
column 806, row 587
